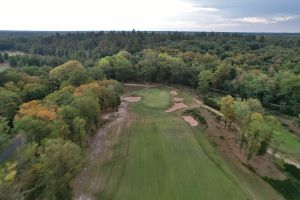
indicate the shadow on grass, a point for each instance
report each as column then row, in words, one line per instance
column 289, row 188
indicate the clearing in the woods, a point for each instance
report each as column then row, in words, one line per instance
column 158, row 155
column 165, row 160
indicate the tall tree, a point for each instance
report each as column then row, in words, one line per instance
column 9, row 102
column 227, row 109
column 204, row 81
column 254, row 135
column 60, row 161
column 4, row 130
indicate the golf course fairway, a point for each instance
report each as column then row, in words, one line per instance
column 164, row 159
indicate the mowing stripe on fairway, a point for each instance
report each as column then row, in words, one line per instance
column 165, row 161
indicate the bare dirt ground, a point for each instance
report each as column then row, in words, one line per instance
column 190, row 120
column 100, row 150
column 132, row 99
column 201, row 104
column 177, row 99
column 173, row 93
column 139, row 85
column 226, row 142
column 287, row 160
column 176, row 106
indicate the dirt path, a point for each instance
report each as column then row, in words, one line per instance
column 201, row 104
column 140, row 85
column 91, row 180
column 287, row 160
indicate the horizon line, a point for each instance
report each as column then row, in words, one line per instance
column 182, row 31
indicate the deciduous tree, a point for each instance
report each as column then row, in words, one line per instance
column 227, row 109
column 204, row 81
column 60, row 162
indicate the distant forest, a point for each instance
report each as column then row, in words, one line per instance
column 263, row 66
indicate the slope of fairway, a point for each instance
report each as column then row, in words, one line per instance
column 165, row 161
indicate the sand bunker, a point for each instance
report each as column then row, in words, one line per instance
column 173, row 93
column 132, row 99
column 189, row 119
column 177, row 99
column 176, row 106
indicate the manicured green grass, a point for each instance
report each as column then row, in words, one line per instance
column 154, row 98
column 166, row 161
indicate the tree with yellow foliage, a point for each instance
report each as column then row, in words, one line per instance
column 38, row 120
column 227, row 110
column 254, row 134
column 8, row 188
column 36, row 109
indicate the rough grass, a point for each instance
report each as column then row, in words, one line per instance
column 166, row 161
column 288, row 142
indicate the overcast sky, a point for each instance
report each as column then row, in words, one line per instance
column 160, row 15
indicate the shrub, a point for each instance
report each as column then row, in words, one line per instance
column 212, row 103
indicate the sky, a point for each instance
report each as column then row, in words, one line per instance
column 151, row 15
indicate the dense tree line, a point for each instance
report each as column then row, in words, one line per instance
column 54, row 111
column 266, row 66
column 276, row 87
column 88, row 47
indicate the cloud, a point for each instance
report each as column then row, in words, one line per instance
column 99, row 14
column 205, row 9
column 285, row 18
column 181, row 15
column 265, row 20
column 253, row 20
